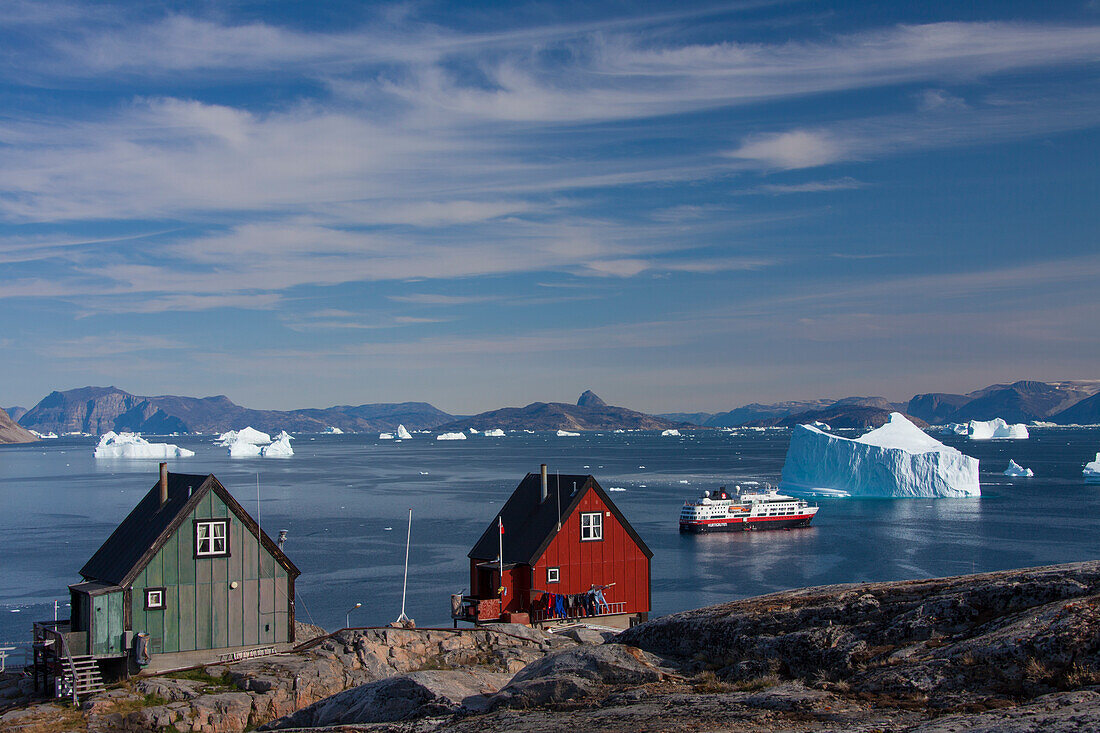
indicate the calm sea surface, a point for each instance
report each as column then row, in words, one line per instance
column 344, row 499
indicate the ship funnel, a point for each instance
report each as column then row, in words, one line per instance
column 543, row 490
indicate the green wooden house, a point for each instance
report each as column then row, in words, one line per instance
column 187, row 578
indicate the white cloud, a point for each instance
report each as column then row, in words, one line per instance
column 794, row 149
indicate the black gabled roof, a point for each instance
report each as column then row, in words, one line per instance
column 530, row 525
column 145, row 529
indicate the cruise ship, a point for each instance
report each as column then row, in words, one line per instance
column 743, row 510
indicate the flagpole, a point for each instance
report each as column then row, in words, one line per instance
column 500, row 535
column 405, row 583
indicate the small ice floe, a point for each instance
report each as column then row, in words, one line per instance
column 616, row 488
column 588, row 466
column 1092, row 471
column 494, row 433
column 473, row 432
column 387, row 529
column 567, row 434
column 641, row 466
column 16, row 610
column 451, row 436
column 641, row 486
column 385, row 436
column 1015, row 469
column 684, row 482
column 671, row 433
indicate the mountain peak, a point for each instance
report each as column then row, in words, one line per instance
column 590, row 399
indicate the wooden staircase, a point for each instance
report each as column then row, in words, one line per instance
column 83, row 675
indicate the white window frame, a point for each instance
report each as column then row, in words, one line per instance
column 591, row 526
column 205, row 533
column 154, row 605
column 553, row 575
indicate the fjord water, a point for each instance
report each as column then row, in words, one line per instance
column 344, row 500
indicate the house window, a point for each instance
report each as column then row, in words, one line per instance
column 553, row 575
column 591, row 526
column 154, row 599
column 212, row 538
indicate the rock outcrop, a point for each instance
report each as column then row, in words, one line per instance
column 11, row 432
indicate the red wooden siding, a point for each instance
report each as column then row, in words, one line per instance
column 614, row 559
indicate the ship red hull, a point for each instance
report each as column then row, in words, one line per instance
column 758, row 523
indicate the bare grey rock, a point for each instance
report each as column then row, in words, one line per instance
column 415, row 695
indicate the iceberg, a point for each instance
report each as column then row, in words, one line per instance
column 332, row 431
column 132, row 445
column 451, row 436
column 494, row 433
column 567, row 434
column 44, row 436
column 1015, row 469
column 996, row 429
column 895, row 460
column 821, row 426
column 248, row 435
column 1092, row 471
column 280, row 448
column 670, row 433
column 385, row 436
column 402, row 433
column 243, row 449
column 473, row 432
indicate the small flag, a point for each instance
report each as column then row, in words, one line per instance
column 501, row 525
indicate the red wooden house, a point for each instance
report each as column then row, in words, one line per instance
column 558, row 535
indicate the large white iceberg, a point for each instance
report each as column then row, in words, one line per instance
column 896, row 460
column 402, row 433
column 1092, row 470
column 451, row 436
column 494, row 433
column 996, row 429
column 132, row 445
column 567, row 434
column 243, row 449
column 280, row 448
column 385, row 436
column 248, row 435
column 672, row 433
column 1015, row 469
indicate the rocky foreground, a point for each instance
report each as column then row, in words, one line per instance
column 1009, row 651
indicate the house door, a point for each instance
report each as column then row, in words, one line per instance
column 488, row 580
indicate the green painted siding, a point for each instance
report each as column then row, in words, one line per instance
column 106, row 624
column 202, row 610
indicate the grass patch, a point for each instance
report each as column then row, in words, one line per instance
column 200, row 675
column 757, row 683
column 708, row 683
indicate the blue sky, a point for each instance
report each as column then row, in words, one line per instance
column 681, row 206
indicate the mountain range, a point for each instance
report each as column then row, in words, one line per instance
column 99, row 409
column 1065, row 403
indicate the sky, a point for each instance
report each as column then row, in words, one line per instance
column 682, row 206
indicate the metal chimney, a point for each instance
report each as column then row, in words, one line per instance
column 544, row 492
column 163, row 483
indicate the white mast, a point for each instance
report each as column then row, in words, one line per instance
column 405, row 583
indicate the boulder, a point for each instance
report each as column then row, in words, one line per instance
column 415, row 695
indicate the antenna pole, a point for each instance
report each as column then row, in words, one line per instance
column 557, row 490
column 405, row 583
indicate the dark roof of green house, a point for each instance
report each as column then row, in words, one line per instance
column 145, row 529
column 530, row 524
